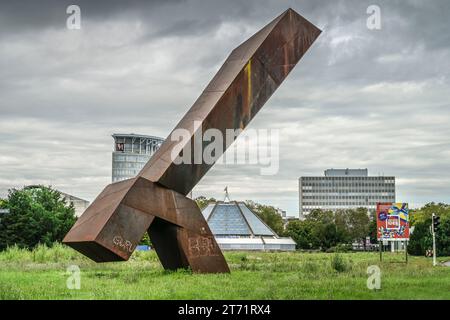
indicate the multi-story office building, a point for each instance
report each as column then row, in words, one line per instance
column 344, row 189
column 131, row 153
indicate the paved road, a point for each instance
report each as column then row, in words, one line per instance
column 447, row 264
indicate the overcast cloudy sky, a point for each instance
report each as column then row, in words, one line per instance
column 359, row 98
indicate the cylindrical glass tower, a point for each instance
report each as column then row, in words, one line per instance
column 131, row 153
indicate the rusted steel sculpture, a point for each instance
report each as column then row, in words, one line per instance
column 155, row 200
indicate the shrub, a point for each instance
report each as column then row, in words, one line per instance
column 338, row 263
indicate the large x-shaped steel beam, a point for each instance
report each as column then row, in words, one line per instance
column 155, row 200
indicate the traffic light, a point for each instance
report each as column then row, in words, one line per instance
column 436, row 222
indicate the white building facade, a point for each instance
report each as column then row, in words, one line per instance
column 344, row 189
column 79, row 205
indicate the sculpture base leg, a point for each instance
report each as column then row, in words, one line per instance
column 163, row 236
column 111, row 229
column 178, row 248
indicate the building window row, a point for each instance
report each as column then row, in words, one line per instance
column 364, row 178
column 363, row 197
column 318, row 205
column 341, row 190
column 341, row 185
column 130, row 158
column 129, row 165
column 127, row 173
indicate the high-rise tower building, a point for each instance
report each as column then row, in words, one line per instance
column 131, row 153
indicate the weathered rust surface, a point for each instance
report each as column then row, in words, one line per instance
column 247, row 79
column 155, row 201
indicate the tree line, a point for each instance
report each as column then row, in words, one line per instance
column 324, row 230
column 42, row 216
column 328, row 230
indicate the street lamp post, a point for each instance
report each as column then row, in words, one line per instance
column 433, row 232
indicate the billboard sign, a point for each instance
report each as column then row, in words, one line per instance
column 392, row 221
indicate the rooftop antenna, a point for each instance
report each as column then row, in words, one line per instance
column 227, row 196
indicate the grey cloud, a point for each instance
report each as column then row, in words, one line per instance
column 359, row 98
column 18, row 16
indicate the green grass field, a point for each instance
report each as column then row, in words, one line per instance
column 41, row 274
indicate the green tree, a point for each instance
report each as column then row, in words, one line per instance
column 203, row 202
column 373, row 230
column 358, row 224
column 323, row 229
column 322, row 216
column 421, row 239
column 424, row 214
column 342, row 226
column 443, row 238
column 145, row 240
column 37, row 215
column 352, row 225
column 301, row 233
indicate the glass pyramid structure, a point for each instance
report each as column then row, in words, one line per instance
column 237, row 227
column 235, row 219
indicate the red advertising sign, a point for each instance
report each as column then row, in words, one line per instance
column 392, row 221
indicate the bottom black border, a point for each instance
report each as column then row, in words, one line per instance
column 219, row 309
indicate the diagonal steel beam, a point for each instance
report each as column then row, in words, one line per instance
column 155, row 201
